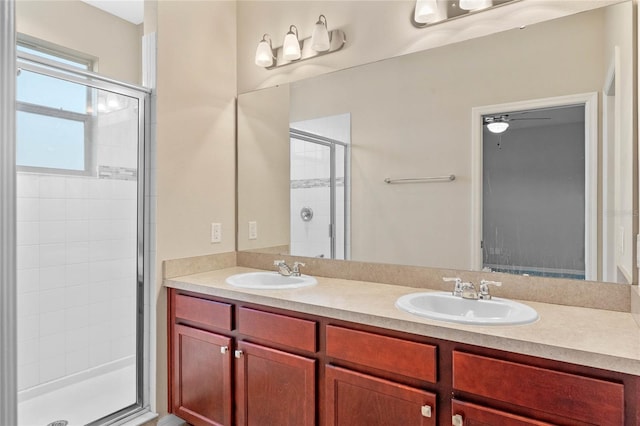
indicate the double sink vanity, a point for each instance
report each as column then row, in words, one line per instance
column 251, row 346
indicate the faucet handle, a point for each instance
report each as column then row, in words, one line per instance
column 279, row 262
column 457, row 289
column 296, row 267
column 484, row 288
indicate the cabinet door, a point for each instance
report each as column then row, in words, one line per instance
column 201, row 376
column 355, row 399
column 274, row 387
column 464, row 413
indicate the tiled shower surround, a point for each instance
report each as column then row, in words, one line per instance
column 76, row 269
column 310, row 188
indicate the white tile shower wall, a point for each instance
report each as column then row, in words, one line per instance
column 76, row 274
column 310, row 238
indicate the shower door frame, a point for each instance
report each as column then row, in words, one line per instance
column 331, row 144
column 89, row 79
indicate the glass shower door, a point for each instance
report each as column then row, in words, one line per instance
column 79, row 237
column 311, row 199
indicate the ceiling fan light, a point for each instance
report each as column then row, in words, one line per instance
column 497, row 126
column 426, row 11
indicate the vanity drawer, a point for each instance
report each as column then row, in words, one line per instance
column 399, row 356
column 202, row 311
column 281, row 329
column 576, row 397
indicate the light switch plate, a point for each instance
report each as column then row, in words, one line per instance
column 253, row 230
column 216, row 232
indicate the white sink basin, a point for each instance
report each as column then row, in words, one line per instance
column 446, row 307
column 269, row 280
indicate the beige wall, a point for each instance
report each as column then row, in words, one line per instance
column 422, row 127
column 375, row 30
column 83, row 28
column 263, row 157
column 196, row 91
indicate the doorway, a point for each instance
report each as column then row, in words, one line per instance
column 521, row 193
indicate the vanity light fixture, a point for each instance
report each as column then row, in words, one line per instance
column 426, row 11
column 294, row 50
column 474, row 4
column 291, row 46
column 320, row 40
column 264, row 52
column 430, row 12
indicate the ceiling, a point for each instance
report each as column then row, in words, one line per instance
column 129, row 10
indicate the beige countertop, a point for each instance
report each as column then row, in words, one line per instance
column 591, row 337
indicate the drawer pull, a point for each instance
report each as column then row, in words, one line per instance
column 426, row 410
column 224, row 349
column 457, row 420
column 238, row 354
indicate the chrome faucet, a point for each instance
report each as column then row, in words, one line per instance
column 468, row 291
column 457, row 288
column 484, row 289
column 296, row 268
column 285, row 270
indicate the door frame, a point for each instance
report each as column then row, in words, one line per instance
column 611, row 128
column 590, row 102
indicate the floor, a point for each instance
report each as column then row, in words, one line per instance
column 83, row 402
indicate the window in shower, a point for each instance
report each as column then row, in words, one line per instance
column 79, row 246
column 54, row 120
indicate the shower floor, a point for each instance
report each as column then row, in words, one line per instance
column 82, row 402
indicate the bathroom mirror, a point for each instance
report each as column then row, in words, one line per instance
column 421, row 115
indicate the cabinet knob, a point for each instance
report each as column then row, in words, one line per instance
column 457, row 420
column 426, row 410
column 238, row 353
column 224, row 349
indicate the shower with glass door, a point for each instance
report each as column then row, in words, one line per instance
column 319, row 194
column 80, row 242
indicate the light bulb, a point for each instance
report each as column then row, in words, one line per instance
column 291, row 45
column 426, row 11
column 264, row 53
column 497, row 126
column 474, row 4
column 320, row 38
column 112, row 101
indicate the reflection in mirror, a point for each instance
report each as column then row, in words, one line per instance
column 319, row 187
column 534, row 192
column 413, row 116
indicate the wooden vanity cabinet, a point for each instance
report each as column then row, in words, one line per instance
column 467, row 414
column 357, row 399
column 200, row 366
column 554, row 396
column 275, row 387
column 202, row 376
column 233, row 363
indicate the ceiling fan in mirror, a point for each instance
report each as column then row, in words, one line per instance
column 500, row 123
